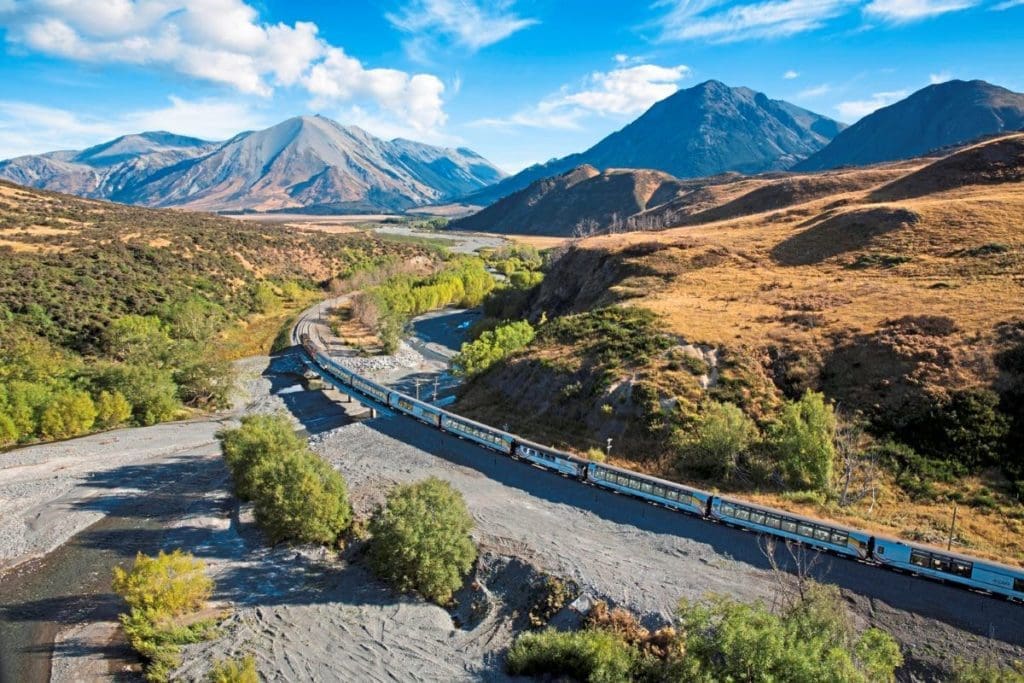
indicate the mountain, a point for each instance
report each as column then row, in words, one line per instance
column 701, row 131
column 582, row 201
column 934, row 117
column 104, row 170
column 303, row 163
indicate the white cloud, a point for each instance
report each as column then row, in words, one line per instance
column 711, row 21
column 857, row 109
column 903, row 11
column 816, row 91
column 221, row 41
column 619, row 92
column 1007, row 5
column 942, row 76
column 31, row 129
column 469, row 23
column 791, row 74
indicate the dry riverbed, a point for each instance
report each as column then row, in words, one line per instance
column 308, row 614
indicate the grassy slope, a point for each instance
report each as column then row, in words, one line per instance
column 802, row 296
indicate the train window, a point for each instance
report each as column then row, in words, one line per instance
column 919, row 558
column 788, row 525
column 805, row 530
column 728, row 510
column 742, row 514
column 839, row 538
column 772, row 521
column 940, row 564
column 822, row 535
column 961, row 568
column 1018, row 585
column 757, row 517
column 646, row 487
column 673, row 494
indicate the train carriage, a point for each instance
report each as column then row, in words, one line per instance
column 649, row 488
column 944, row 565
column 550, row 458
column 807, row 530
column 424, row 412
column 480, row 433
column 370, row 389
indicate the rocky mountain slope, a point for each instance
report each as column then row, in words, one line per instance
column 700, row 131
column 303, row 163
column 938, row 116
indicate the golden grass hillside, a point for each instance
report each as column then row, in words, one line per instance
column 886, row 288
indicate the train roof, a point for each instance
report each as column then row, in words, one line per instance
column 550, row 449
column 651, row 477
column 794, row 515
column 460, row 418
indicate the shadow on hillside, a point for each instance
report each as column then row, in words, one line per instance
column 840, row 234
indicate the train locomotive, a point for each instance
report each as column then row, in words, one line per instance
column 908, row 557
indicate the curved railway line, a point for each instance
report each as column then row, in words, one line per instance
column 916, row 559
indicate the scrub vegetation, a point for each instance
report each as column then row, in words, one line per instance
column 297, row 497
column 114, row 315
column 165, row 596
column 420, row 540
column 716, row 639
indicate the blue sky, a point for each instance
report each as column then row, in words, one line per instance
column 517, row 81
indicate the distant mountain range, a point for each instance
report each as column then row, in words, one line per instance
column 303, row 163
column 700, row 131
column 938, row 116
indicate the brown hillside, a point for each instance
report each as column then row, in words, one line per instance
column 884, row 306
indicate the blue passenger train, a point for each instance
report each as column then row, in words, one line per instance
column 917, row 559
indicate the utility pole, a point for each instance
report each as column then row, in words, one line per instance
column 952, row 529
column 608, row 448
column 417, row 381
column 436, row 379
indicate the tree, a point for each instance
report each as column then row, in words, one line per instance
column 69, row 414
column 421, row 539
column 152, row 391
column 803, row 439
column 591, row 656
column 139, row 339
column 493, row 345
column 241, row 670
column 112, row 409
column 259, row 438
column 721, row 435
column 8, row 430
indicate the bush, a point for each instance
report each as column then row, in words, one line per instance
column 550, row 595
column 591, row 656
column 169, row 584
column 492, row 346
column 966, row 429
column 8, row 430
column 161, row 593
column 69, row 414
column 988, row 671
column 241, row 670
column 722, row 434
column 421, row 539
column 296, row 495
column 803, row 440
column 809, row 641
column 112, row 409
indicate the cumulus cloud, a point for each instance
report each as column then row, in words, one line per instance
column 712, row 21
column 857, row 109
column 942, row 76
column 1002, row 6
column 27, row 128
column 619, row 92
column 221, row 41
column 469, row 23
column 791, row 74
column 904, row 11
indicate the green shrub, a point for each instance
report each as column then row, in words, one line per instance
column 112, row 409
column 811, row 640
column 169, row 584
column 721, row 435
column 989, row 670
column 69, row 413
column 613, row 336
column 591, row 656
column 8, row 430
column 803, row 439
column 492, row 346
column 550, row 596
column 967, row 429
column 421, row 539
column 296, row 495
column 242, row 670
